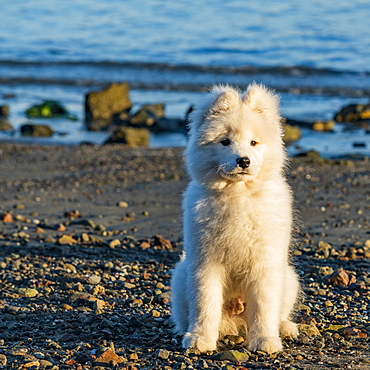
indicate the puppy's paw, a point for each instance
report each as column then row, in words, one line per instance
column 265, row 344
column 288, row 329
column 191, row 340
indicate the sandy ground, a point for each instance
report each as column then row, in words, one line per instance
column 111, row 202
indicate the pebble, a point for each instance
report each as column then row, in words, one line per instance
column 155, row 313
column 107, row 357
column 3, row 360
column 231, row 355
column 309, row 329
column 28, row 292
column 94, row 279
column 114, row 243
column 162, row 354
column 66, row 239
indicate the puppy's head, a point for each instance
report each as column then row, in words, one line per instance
column 235, row 137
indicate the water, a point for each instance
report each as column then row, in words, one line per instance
column 314, row 53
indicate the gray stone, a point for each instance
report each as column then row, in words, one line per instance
column 37, row 130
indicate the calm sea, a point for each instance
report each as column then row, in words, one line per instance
column 315, row 53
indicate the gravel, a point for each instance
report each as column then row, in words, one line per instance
column 85, row 278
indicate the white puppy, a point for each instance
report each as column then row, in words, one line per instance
column 234, row 276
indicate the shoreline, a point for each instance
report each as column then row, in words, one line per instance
column 83, row 236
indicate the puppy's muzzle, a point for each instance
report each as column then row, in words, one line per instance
column 243, row 162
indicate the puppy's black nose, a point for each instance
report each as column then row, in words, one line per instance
column 243, row 162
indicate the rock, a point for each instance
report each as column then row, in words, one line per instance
column 70, row 268
column 45, row 364
column 313, row 155
column 49, row 109
column 28, row 292
column 171, row 125
column 122, row 204
column 107, row 324
column 114, row 243
column 147, row 115
column 36, row 130
column 324, row 125
column 84, row 222
column 155, row 313
column 129, row 285
column 99, row 304
column 78, row 296
column 8, row 317
column 94, row 279
column 162, row 354
column 353, row 113
column 83, row 357
column 237, row 339
column 31, row 364
column 5, row 125
column 66, row 239
column 107, row 357
column 50, row 239
column 326, row 270
column 4, row 111
column 7, row 217
column 100, row 106
column 291, row 133
column 66, row 307
column 131, row 136
column 3, row 360
column 161, row 242
column 309, row 329
column 97, row 290
column 232, row 355
column 72, row 214
column 341, row 277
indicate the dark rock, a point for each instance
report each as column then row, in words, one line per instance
column 102, row 105
column 4, row 111
column 37, row 130
column 147, row 115
column 49, row 109
column 311, row 154
column 353, row 113
column 130, row 136
column 171, row 124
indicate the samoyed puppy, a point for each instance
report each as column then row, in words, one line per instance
column 234, row 276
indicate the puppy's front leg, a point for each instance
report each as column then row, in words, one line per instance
column 264, row 299
column 206, row 297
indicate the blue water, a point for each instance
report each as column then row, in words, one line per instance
column 315, row 53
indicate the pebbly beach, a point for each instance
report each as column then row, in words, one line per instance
column 89, row 235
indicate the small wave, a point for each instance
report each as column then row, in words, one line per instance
column 184, row 87
column 274, row 70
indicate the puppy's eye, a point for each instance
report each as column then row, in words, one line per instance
column 253, row 143
column 225, row 142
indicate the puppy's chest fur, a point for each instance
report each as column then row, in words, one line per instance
column 231, row 223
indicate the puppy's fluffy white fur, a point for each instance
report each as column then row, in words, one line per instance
column 234, row 276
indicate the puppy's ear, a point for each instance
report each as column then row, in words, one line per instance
column 225, row 99
column 262, row 100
